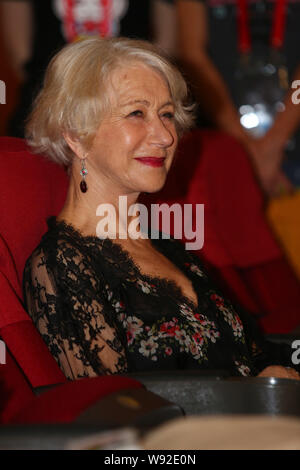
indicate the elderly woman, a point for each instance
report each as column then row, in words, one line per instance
column 111, row 112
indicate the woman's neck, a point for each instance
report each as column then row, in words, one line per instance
column 95, row 213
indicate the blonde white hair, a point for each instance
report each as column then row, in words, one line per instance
column 74, row 95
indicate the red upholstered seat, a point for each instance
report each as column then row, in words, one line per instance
column 15, row 391
column 32, row 189
column 64, row 403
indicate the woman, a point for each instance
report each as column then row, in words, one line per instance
column 111, row 111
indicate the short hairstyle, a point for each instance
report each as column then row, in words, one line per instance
column 73, row 98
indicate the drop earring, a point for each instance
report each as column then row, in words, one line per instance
column 83, row 172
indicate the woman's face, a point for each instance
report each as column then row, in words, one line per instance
column 134, row 146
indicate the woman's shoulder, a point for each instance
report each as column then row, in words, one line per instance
column 65, row 257
column 58, row 244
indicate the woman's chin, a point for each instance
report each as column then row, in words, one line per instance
column 155, row 185
column 154, row 188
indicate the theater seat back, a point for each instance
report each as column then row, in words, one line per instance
column 31, row 189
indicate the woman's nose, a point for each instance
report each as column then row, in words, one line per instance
column 162, row 134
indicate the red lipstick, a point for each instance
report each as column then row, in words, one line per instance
column 151, row 161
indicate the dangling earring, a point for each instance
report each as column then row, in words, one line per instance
column 83, row 172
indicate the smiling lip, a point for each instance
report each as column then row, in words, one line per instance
column 151, row 161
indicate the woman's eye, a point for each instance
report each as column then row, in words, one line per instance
column 168, row 115
column 137, row 113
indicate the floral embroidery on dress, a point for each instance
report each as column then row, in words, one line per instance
column 117, row 305
column 195, row 269
column 148, row 348
column 191, row 336
column 243, row 369
column 229, row 315
column 145, row 286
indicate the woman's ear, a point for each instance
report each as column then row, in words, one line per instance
column 75, row 145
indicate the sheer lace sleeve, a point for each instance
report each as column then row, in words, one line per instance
column 265, row 353
column 69, row 306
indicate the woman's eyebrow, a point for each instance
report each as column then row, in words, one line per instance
column 146, row 103
column 168, row 103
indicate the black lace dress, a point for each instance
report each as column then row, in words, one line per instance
column 99, row 315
